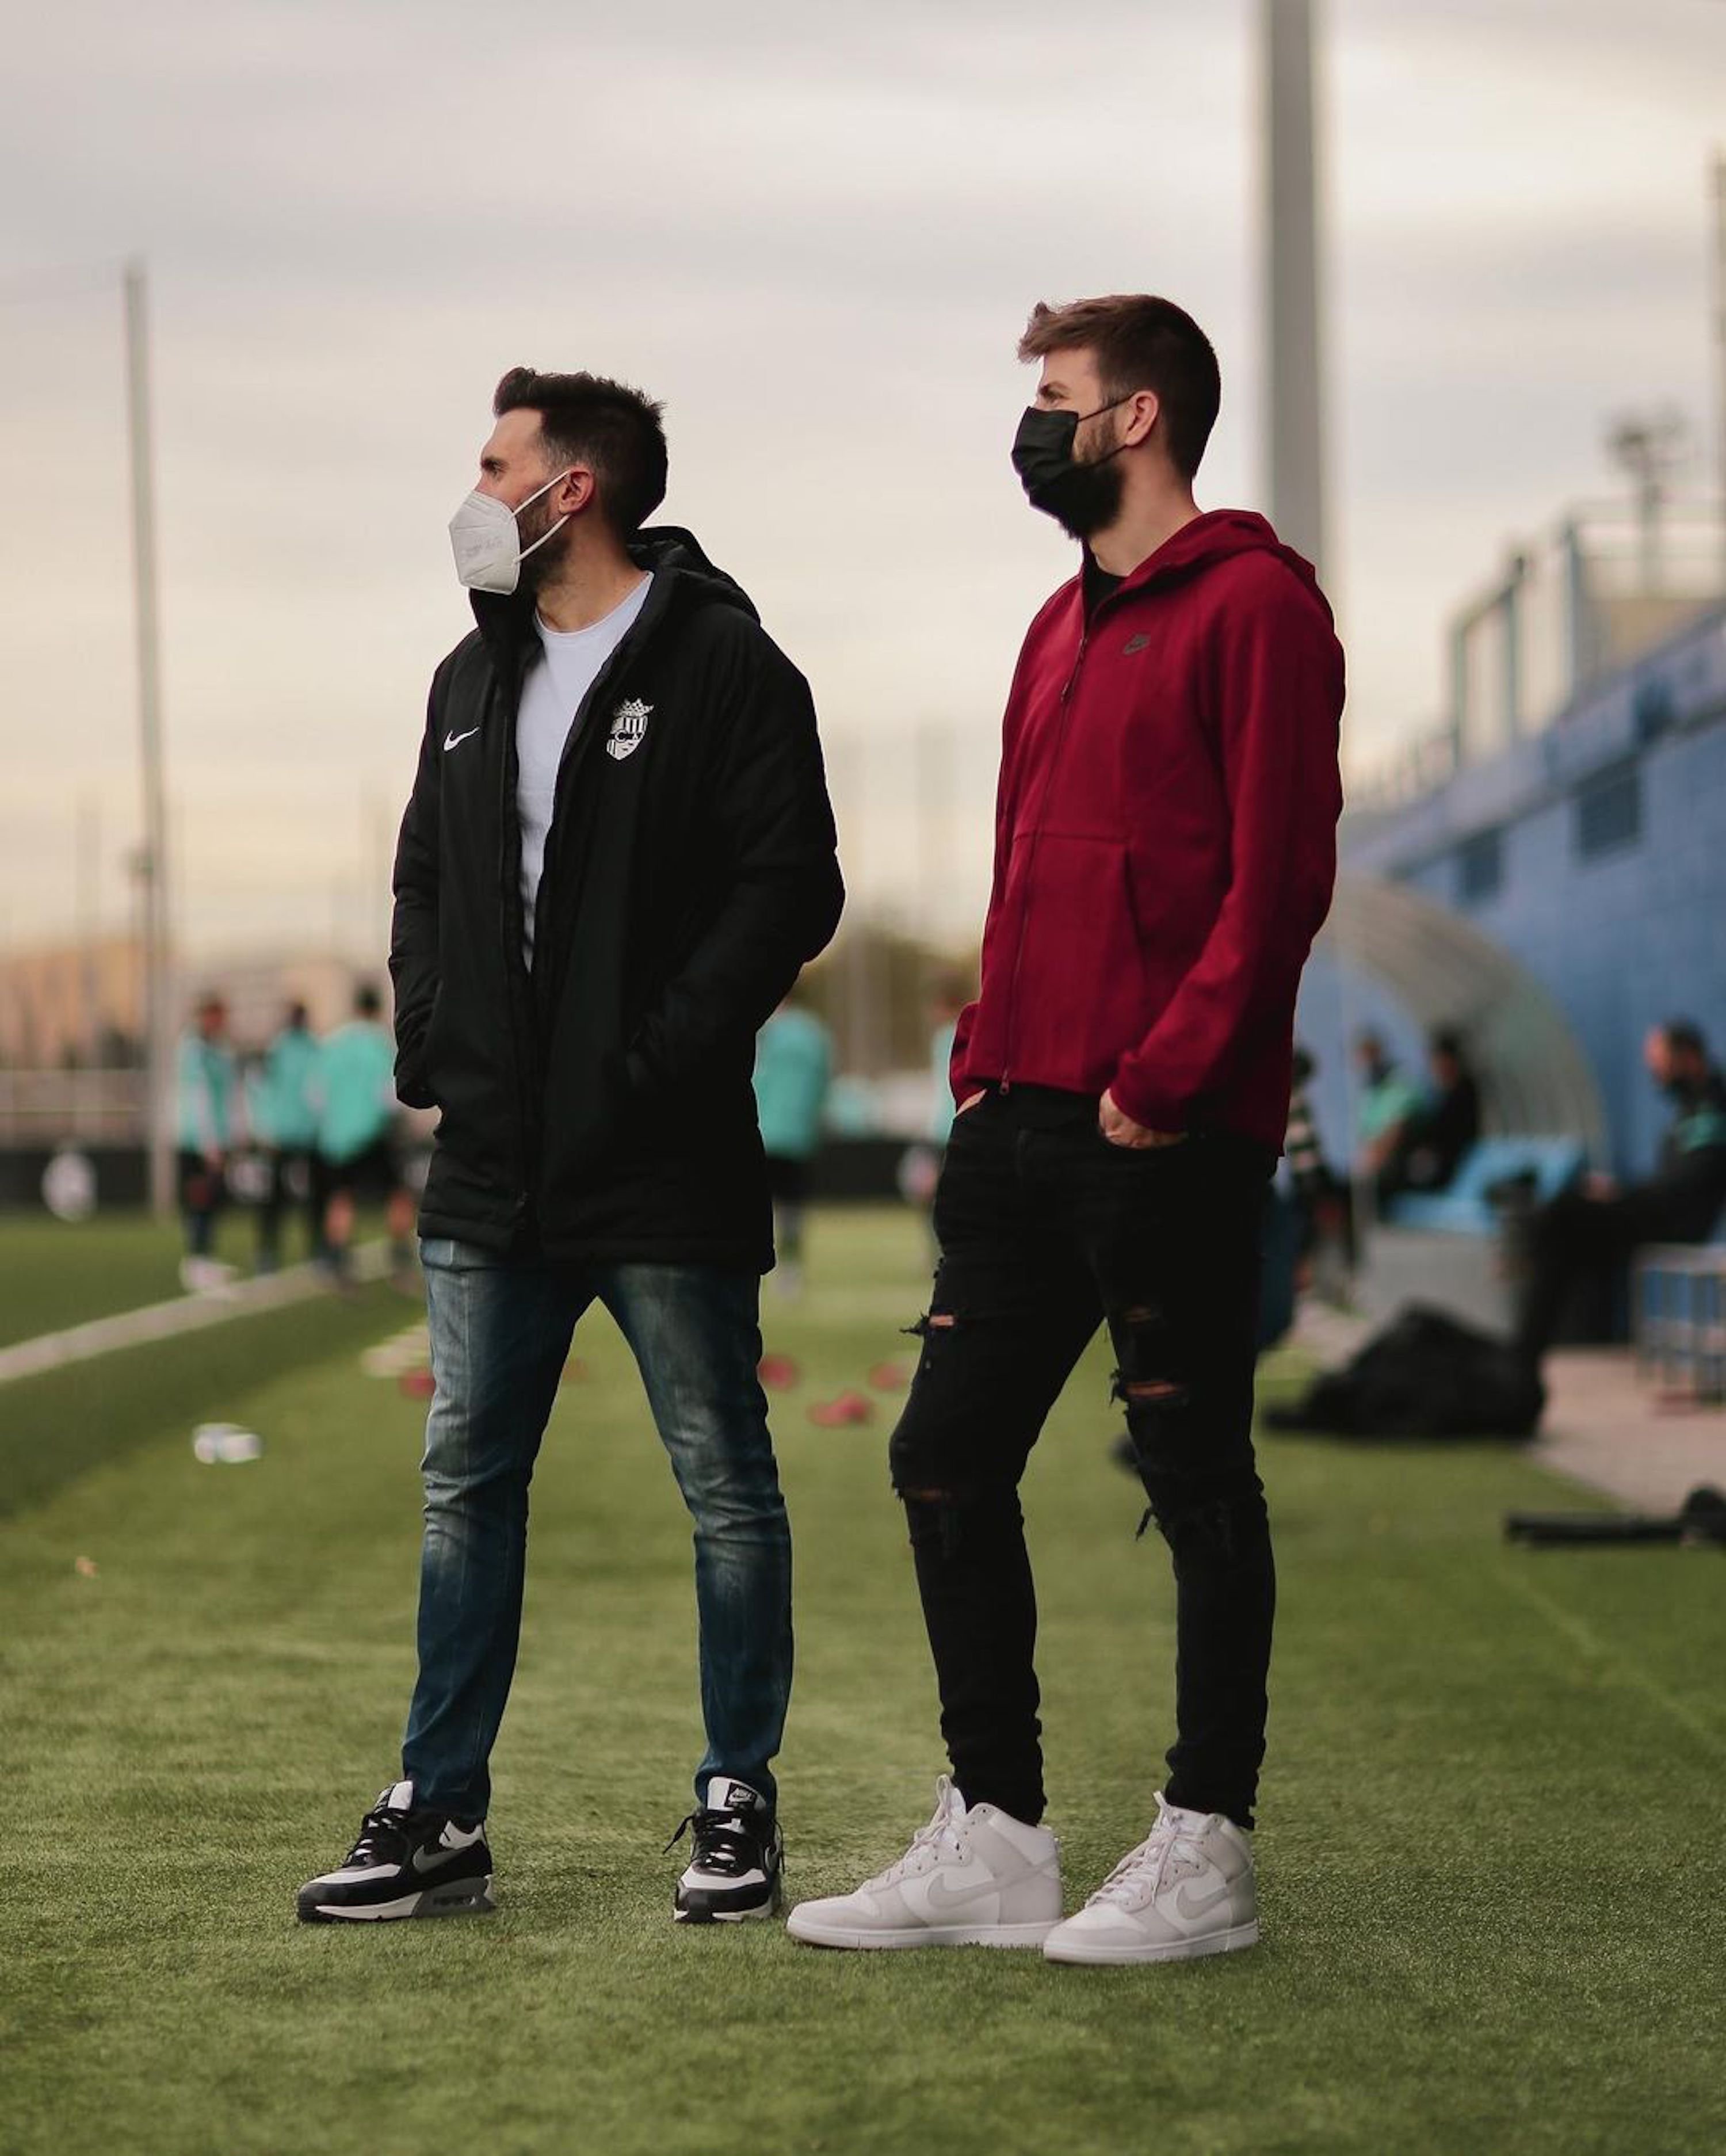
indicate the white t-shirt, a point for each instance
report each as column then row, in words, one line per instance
column 568, row 665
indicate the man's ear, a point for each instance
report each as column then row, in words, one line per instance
column 575, row 490
column 1139, row 416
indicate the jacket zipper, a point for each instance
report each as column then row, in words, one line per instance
column 519, row 989
column 1066, row 698
column 615, row 674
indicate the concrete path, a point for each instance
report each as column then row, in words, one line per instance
column 1605, row 1427
column 186, row 1313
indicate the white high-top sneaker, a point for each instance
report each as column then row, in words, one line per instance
column 978, row 1878
column 1186, row 1890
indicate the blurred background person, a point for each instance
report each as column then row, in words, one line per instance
column 357, row 1156
column 1319, row 1194
column 1591, row 1230
column 206, row 1090
column 1441, row 1131
column 284, row 1122
column 946, row 1006
column 920, row 1169
column 1388, row 1104
column 794, row 1069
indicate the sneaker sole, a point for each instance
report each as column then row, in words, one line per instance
column 467, row 1898
column 922, row 1935
column 726, row 1916
column 1105, row 1953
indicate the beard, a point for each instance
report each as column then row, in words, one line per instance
column 1087, row 499
column 538, row 568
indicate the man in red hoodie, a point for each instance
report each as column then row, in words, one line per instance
column 1164, row 853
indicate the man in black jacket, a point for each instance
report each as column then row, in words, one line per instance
column 618, row 854
column 1587, row 1230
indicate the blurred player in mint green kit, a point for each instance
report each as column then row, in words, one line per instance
column 205, row 1101
column 357, row 1112
column 285, row 1120
column 793, row 1068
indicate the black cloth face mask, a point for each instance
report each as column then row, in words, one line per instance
column 1082, row 498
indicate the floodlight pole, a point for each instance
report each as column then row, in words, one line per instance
column 1293, row 380
column 158, row 988
column 1719, row 239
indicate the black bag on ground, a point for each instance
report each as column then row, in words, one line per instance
column 1426, row 1375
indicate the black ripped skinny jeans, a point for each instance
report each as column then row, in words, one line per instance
column 1046, row 1231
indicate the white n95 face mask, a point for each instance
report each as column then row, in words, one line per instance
column 487, row 541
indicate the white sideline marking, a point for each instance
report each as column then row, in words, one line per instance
column 186, row 1313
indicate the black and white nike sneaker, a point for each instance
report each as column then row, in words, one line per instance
column 407, row 1863
column 739, row 1862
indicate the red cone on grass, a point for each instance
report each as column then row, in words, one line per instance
column 839, row 1413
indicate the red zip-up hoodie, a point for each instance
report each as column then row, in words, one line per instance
column 1165, row 837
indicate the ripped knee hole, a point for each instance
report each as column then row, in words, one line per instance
column 931, row 1320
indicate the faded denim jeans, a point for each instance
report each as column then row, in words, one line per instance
column 501, row 1331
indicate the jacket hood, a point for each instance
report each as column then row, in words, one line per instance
column 1219, row 535
column 669, row 546
column 666, row 549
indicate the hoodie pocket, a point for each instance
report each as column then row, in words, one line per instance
column 1081, row 989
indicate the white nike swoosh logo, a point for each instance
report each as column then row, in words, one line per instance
column 454, row 740
column 943, row 1898
column 1192, row 1908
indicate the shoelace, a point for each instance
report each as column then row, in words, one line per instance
column 383, row 1837
column 723, row 1841
column 1145, row 1866
column 940, row 1829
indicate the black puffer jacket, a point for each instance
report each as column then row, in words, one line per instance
column 601, row 1107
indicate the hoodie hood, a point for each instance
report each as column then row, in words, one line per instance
column 1219, row 535
column 667, row 550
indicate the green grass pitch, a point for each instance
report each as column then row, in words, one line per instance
column 59, row 1273
column 1489, row 1850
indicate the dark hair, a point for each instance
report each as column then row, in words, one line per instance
column 1684, row 1037
column 1140, row 342
column 1302, row 1067
column 1448, row 1042
column 587, row 419
column 297, row 1015
column 366, row 1001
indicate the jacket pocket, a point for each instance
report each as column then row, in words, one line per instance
column 1082, row 993
column 414, row 1085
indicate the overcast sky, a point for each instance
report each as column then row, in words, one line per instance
column 816, row 232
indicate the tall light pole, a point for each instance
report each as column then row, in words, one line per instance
column 1293, row 398
column 1719, row 237
column 158, row 986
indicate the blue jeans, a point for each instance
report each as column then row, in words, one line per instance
column 500, row 1332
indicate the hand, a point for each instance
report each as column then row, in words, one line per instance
column 970, row 1102
column 1120, row 1129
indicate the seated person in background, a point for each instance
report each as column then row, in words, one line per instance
column 1596, row 1225
column 1388, row 1107
column 1441, row 1131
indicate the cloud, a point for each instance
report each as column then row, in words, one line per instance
column 815, row 233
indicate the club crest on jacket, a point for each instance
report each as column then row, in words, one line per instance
column 629, row 724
